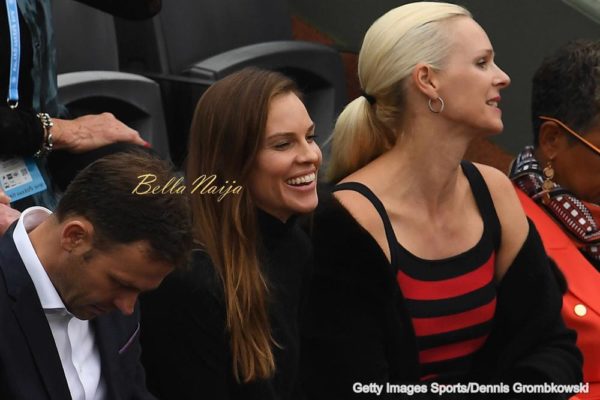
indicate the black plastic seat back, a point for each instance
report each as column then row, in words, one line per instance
column 191, row 44
column 89, row 81
column 187, row 31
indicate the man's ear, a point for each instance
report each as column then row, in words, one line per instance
column 77, row 235
column 552, row 140
column 426, row 80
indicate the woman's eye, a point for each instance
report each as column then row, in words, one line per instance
column 281, row 145
column 311, row 138
column 481, row 63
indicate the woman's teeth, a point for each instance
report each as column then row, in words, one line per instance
column 302, row 180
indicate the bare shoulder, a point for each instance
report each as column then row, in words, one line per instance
column 359, row 206
column 363, row 211
column 512, row 218
column 502, row 191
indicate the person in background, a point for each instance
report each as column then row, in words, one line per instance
column 32, row 121
column 232, row 321
column 424, row 263
column 69, row 283
column 558, row 184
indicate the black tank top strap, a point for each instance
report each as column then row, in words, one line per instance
column 484, row 201
column 389, row 231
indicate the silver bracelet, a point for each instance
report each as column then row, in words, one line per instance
column 47, row 124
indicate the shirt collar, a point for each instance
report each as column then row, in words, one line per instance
column 29, row 219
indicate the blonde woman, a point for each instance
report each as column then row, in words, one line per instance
column 427, row 269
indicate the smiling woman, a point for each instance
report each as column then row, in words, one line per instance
column 232, row 319
column 284, row 181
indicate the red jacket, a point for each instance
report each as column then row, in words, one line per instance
column 581, row 302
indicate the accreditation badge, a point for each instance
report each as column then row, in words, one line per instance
column 20, row 177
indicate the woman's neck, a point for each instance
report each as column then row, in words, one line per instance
column 423, row 166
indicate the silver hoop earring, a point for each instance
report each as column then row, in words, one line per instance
column 431, row 106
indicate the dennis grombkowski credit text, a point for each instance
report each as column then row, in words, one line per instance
column 467, row 387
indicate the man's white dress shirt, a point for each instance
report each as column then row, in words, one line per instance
column 74, row 338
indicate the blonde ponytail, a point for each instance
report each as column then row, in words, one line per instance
column 359, row 137
column 392, row 47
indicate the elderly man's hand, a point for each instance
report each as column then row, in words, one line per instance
column 91, row 132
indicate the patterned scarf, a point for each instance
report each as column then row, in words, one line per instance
column 576, row 217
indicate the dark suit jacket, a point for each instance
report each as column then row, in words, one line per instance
column 30, row 366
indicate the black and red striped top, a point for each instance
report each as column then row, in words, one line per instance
column 451, row 301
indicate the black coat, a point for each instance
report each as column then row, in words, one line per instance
column 30, row 366
column 186, row 344
column 358, row 328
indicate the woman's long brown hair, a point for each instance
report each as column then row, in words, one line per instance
column 225, row 137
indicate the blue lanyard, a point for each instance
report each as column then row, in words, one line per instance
column 15, row 53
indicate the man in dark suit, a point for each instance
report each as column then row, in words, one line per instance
column 69, row 283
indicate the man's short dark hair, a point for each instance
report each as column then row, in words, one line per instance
column 567, row 86
column 102, row 193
